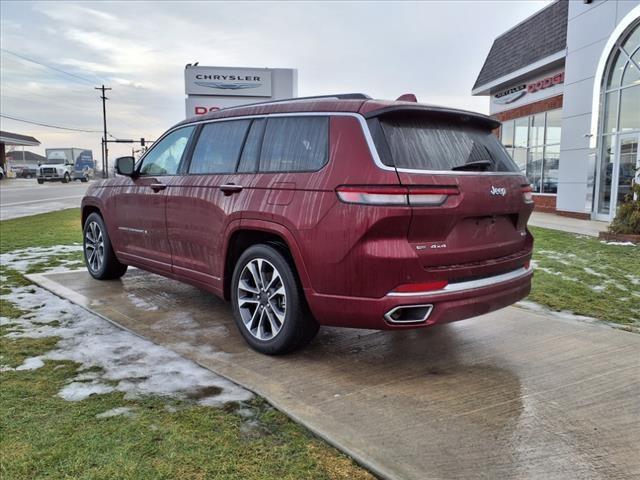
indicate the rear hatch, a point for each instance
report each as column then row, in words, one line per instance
column 481, row 216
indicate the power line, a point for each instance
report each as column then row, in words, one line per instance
column 42, row 124
column 59, row 70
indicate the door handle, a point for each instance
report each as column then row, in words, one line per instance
column 156, row 187
column 230, row 188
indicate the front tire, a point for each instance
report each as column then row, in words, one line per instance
column 268, row 303
column 40, row 181
column 99, row 257
column 66, row 178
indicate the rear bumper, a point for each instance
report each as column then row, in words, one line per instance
column 455, row 302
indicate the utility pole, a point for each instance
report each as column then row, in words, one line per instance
column 105, row 150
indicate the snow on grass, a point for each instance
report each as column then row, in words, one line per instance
column 623, row 244
column 634, row 279
column 591, row 271
column 21, row 260
column 537, row 267
column 116, row 412
column 127, row 363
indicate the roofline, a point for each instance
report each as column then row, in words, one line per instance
column 19, row 143
column 486, row 88
column 537, row 12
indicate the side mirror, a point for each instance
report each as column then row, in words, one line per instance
column 126, row 166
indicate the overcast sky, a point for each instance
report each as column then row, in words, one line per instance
column 433, row 49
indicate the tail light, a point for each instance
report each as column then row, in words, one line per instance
column 527, row 193
column 420, row 287
column 395, row 195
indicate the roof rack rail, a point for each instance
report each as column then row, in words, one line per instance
column 337, row 96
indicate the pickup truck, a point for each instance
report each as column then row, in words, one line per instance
column 66, row 164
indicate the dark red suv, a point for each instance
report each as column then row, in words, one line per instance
column 341, row 210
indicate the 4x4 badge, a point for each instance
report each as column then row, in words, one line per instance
column 498, row 191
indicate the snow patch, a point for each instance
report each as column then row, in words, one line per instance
column 21, row 260
column 116, row 412
column 32, row 363
column 623, row 244
column 591, row 271
column 76, row 391
column 128, row 363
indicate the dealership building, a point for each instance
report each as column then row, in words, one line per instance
column 565, row 83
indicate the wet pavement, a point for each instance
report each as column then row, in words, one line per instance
column 512, row 394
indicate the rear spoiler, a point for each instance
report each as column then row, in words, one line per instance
column 454, row 114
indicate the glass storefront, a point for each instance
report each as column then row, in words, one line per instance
column 534, row 144
column 620, row 126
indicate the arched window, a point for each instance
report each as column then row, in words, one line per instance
column 620, row 115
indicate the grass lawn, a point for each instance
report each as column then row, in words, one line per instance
column 586, row 276
column 45, row 436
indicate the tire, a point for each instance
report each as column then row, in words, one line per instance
column 66, row 178
column 84, row 179
column 99, row 257
column 40, row 181
column 276, row 324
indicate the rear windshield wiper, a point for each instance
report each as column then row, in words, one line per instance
column 480, row 165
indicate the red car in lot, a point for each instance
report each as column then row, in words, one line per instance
column 342, row 211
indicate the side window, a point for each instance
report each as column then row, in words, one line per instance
column 295, row 144
column 251, row 151
column 165, row 156
column 218, row 147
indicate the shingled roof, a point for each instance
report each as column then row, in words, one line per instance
column 16, row 139
column 539, row 36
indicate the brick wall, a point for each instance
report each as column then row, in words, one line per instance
column 530, row 109
column 544, row 203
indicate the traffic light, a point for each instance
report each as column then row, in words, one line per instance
column 142, row 142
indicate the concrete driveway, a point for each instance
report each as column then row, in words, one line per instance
column 511, row 394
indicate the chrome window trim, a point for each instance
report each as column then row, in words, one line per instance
column 367, row 135
column 469, row 285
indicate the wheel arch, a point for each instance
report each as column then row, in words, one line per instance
column 248, row 233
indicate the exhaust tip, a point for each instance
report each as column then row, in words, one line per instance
column 406, row 314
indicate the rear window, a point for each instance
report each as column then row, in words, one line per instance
column 419, row 143
column 295, row 144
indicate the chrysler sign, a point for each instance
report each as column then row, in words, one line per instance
column 227, row 82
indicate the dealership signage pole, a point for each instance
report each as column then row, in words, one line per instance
column 105, row 151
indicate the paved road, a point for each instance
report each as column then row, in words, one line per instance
column 509, row 395
column 22, row 197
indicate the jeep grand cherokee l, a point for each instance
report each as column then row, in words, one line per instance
column 342, row 211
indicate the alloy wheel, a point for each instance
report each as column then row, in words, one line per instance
column 94, row 246
column 262, row 299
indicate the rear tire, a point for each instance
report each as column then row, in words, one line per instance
column 268, row 302
column 99, row 257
